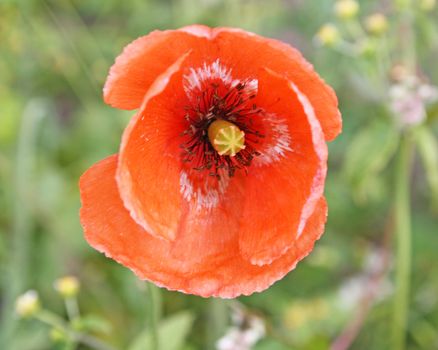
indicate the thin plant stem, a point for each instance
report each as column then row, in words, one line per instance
column 407, row 33
column 217, row 320
column 403, row 238
column 385, row 54
column 57, row 322
column 93, row 342
column 402, row 193
column 384, row 63
column 51, row 319
column 153, row 310
column 410, row 51
column 71, row 305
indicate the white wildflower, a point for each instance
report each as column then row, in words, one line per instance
column 408, row 100
column 27, row 304
column 369, row 284
column 246, row 331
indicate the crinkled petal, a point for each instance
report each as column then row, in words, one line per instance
column 142, row 61
column 110, row 229
column 149, row 168
column 246, row 53
column 283, row 189
column 147, row 57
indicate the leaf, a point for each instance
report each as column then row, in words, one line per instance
column 172, row 333
column 369, row 153
column 428, row 148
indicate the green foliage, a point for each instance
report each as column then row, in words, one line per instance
column 172, row 333
column 367, row 156
column 55, row 56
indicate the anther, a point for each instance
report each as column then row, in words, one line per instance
column 226, row 138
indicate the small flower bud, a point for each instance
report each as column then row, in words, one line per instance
column 27, row 304
column 328, row 35
column 67, row 286
column 57, row 335
column 346, row 9
column 427, row 5
column 376, row 24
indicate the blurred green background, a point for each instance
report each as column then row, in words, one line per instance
column 54, row 58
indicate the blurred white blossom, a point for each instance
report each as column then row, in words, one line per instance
column 27, row 304
column 246, row 331
column 408, row 100
column 368, row 284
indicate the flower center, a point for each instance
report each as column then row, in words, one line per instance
column 226, row 138
column 220, row 134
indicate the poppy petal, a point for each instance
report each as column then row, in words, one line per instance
column 155, row 208
column 110, row 229
column 282, row 193
column 246, row 53
column 198, row 30
column 128, row 80
column 142, row 61
column 148, row 174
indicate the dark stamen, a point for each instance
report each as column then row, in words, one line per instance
column 234, row 106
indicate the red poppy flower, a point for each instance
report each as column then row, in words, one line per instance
column 218, row 186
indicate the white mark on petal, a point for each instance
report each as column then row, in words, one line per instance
column 194, row 81
column 203, row 195
column 317, row 188
column 279, row 140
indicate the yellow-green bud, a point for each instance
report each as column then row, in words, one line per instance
column 346, row 9
column 376, row 24
column 328, row 35
column 226, row 138
column 27, row 304
column 427, row 5
column 67, row 286
column 57, row 335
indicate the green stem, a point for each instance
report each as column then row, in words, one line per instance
column 217, row 321
column 51, row 319
column 93, row 342
column 407, row 33
column 384, row 64
column 403, row 237
column 71, row 305
column 57, row 322
column 154, row 311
